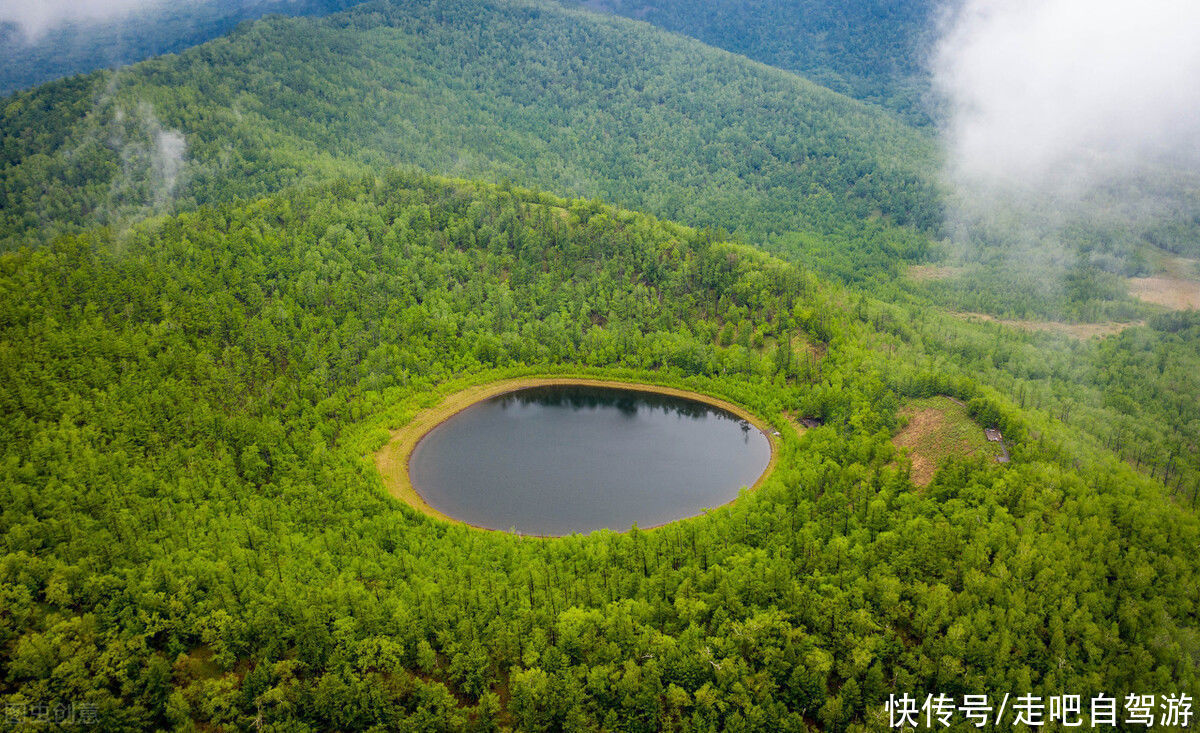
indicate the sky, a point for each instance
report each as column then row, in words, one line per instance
column 1064, row 96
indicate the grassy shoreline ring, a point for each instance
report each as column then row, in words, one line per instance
column 392, row 459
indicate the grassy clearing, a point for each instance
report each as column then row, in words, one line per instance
column 392, row 459
column 927, row 273
column 1169, row 291
column 1176, row 285
column 938, row 428
column 793, row 420
column 1082, row 331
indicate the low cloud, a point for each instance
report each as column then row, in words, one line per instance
column 154, row 165
column 1066, row 105
column 168, row 162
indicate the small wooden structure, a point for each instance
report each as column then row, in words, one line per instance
column 994, row 436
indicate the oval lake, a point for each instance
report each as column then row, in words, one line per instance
column 560, row 459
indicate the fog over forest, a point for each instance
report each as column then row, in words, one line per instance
column 1062, row 99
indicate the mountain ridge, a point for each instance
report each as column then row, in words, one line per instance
column 486, row 89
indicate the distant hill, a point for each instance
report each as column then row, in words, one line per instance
column 568, row 100
column 871, row 50
column 80, row 47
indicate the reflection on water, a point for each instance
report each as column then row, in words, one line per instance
column 627, row 401
column 561, row 459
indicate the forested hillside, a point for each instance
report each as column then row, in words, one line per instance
column 1131, row 393
column 80, row 46
column 873, row 50
column 525, row 90
column 193, row 534
column 227, row 275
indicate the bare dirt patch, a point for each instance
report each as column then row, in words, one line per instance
column 1169, row 291
column 794, row 421
column 1082, row 331
column 938, row 428
column 815, row 350
column 925, row 273
column 921, row 424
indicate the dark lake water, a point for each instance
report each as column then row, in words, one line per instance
column 563, row 459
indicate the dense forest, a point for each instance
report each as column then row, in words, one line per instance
column 1132, row 393
column 868, row 50
column 227, row 273
column 193, row 533
column 873, row 50
column 642, row 118
column 528, row 91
